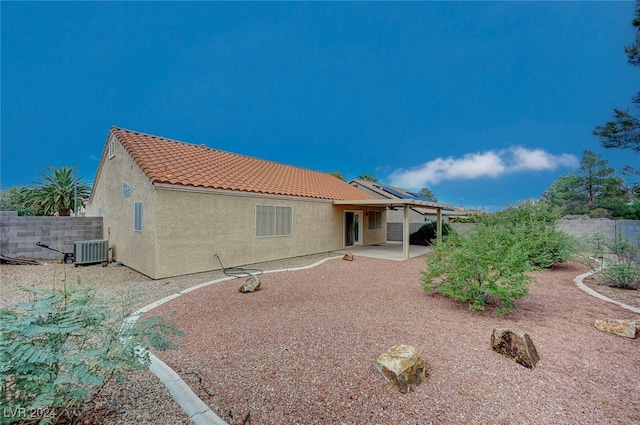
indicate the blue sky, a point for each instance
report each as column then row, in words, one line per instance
column 485, row 103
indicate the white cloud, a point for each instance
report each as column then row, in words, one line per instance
column 479, row 165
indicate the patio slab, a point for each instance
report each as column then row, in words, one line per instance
column 387, row 251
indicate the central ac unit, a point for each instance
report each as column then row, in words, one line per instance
column 89, row 252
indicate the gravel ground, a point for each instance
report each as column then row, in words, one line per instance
column 301, row 350
column 140, row 398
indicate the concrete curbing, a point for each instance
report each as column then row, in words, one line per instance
column 198, row 411
column 579, row 282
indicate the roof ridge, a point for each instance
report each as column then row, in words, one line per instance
column 216, row 149
column 169, row 161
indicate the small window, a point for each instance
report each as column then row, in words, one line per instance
column 137, row 216
column 274, row 220
column 126, row 190
column 375, row 220
column 112, row 149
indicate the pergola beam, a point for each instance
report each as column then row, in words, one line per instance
column 405, row 204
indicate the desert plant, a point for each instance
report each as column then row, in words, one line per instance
column 485, row 266
column 533, row 223
column 58, row 191
column 489, row 263
column 428, row 233
column 617, row 264
column 64, row 344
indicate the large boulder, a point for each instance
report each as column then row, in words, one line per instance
column 251, row 284
column 403, row 367
column 348, row 256
column 515, row 345
column 626, row 328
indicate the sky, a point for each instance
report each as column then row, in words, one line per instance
column 484, row 103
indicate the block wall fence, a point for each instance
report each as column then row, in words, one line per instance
column 585, row 228
column 19, row 234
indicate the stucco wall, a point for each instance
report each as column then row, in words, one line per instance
column 135, row 249
column 197, row 224
column 183, row 228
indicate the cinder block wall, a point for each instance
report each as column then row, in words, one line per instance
column 607, row 228
column 585, row 228
column 19, row 234
column 394, row 230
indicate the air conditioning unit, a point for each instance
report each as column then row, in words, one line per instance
column 89, row 252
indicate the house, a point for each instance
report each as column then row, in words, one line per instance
column 168, row 207
column 418, row 215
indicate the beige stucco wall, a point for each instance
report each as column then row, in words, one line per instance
column 134, row 249
column 183, row 228
column 197, row 224
column 374, row 236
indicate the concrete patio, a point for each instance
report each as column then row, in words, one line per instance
column 386, row 251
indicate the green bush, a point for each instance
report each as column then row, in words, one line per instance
column 428, row 233
column 478, row 267
column 59, row 348
column 488, row 265
column 620, row 268
column 533, row 223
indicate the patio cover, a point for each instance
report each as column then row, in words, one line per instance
column 405, row 204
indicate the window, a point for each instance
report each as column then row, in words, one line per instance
column 137, row 216
column 273, row 220
column 112, row 148
column 126, row 190
column 375, row 220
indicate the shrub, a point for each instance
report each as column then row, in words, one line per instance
column 489, row 263
column 620, row 268
column 428, row 233
column 599, row 213
column 478, row 267
column 63, row 345
column 533, row 224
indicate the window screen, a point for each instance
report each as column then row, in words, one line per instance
column 375, row 220
column 273, row 220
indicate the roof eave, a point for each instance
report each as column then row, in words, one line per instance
column 392, row 202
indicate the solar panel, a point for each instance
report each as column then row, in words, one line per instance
column 421, row 198
column 403, row 195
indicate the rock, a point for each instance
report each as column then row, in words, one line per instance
column 251, row 284
column 348, row 256
column 626, row 328
column 403, row 367
column 515, row 345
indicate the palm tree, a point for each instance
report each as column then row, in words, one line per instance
column 58, row 191
column 338, row 175
column 18, row 199
column 369, row 178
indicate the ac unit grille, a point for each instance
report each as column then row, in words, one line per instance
column 94, row 251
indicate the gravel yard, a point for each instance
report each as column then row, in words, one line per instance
column 301, row 350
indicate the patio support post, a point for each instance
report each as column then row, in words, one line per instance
column 439, row 228
column 405, row 232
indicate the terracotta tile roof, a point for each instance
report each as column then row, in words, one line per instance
column 172, row 162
